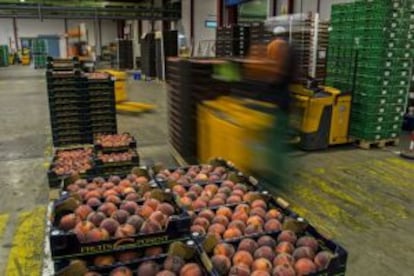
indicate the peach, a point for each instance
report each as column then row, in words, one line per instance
column 238, row 224
column 192, row 215
column 240, row 215
column 141, row 180
column 303, row 252
column 113, row 199
column 124, row 183
column 120, row 216
column 114, row 179
column 130, row 206
column 273, row 214
column 150, row 226
column 249, row 196
column 239, row 270
column 288, row 236
column 132, row 197
column 68, row 222
column 153, row 251
column 191, row 269
column 153, row 203
column 82, row 193
column 224, row 190
column 93, row 193
column 282, row 259
column 110, row 225
column 173, row 263
column 243, row 208
column 240, row 186
column 185, row 201
column 248, row 245
column 242, row 257
column 272, row 225
column 179, row 190
column 198, row 229
column 221, row 263
column 81, row 183
column 227, row 183
column 265, row 252
column 203, row 222
column 110, row 192
column 121, row 271
column 144, row 211
column 258, row 212
column 159, row 217
column 266, row 240
column 223, row 220
column 96, row 235
column 135, row 221
column 96, row 218
column 253, row 229
column 73, row 188
column 233, row 199
column 91, row 186
column 197, row 189
column 83, row 211
column 207, row 213
column 262, row 264
column 285, row 247
column 217, row 228
column 239, row 193
column 213, row 188
column 92, row 273
column 148, row 268
column 304, row 266
column 127, row 256
column 260, row 273
column 255, row 220
column 322, row 259
column 128, row 190
column 199, row 204
column 216, row 202
column 165, row 273
column 309, row 242
column 166, row 208
column 98, row 180
column 82, row 228
column 232, row 233
column 124, row 231
column 284, row 270
column 213, row 178
column 225, row 249
column 221, row 196
column 103, row 260
column 201, row 177
column 93, row 202
column 225, row 211
column 259, row 203
column 108, row 208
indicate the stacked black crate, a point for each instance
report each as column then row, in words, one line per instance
column 101, row 103
column 259, row 38
column 148, row 67
column 232, row 41
column 68, row 103
column 125, row 54
column 190, row 82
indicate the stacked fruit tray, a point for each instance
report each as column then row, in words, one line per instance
column 108, row 143
column 196, row 220
column 116, row 163
column 70, row 163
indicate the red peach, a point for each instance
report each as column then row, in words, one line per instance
column 272, row 225
column 260, row 273
column 124, row 231
column 221, row 263
column 239, row 270
column 199, row 204
column 110, row 225
column 225, row 211
column 223, row 220
column 135, row 221
column 284, row 270
column 239, row 193
column 242, row 207
column 198, row 229
column 202, row 222
column 104, row 260
column 179, row 190
column 266, row 240
column 96, row 235
column 108, row 208
column 144, row 211
column 166, row 208
column 253, row 229
column 159, row 217
column 127, row 256
column 111, row 192
column 82, row 228
column 207, row 213
column 262, row 264
column 232, row 233
column 258, row 212
column 197, row 189
column 153, row 203
column 282, row 259
column 68, row 222
column 96, row 218
column 273, row 214
column 238, row 224
column 264, row 252
column 224, row 190
column 185, row 201
column 132, row 197
column 255, row 220
column 93, row 193
column 242, row 257
column 304, row 266
column 221, row 196
column 285, row 247
column 216, row 202
column 174, row 263
column 121, row 271
column 150, row 226
column 233, row 199
column 113, row 199
column 225, row 249
column 191, row 269
column 213, row 188
column 259, row 203
column 120, row 215
column 303, row 252
column 148, row 268
column 227, row 183
column 83, row 211
column 240, row 215
column 322, row 259
column 217, row 228
column 288, row 236
column 130, row 206
column 309, row 242
column 93, row 202
column 248, row 245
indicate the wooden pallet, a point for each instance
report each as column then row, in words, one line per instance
column 364, row 144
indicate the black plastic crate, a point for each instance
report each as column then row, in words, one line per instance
column 131, row 145
column 67, row 245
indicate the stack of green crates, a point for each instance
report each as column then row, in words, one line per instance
column 4, row 55
column 379, row 33
column 39, row 51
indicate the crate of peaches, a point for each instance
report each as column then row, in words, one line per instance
column 176, row 258
column 262, row 238
column 69, row 163
column 106, row 215
column 114, row 142
column 116, row 162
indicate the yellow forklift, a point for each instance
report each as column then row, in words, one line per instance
column 321, row 115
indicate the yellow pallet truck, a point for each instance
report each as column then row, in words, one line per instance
column 321, row 115
column 121, row 96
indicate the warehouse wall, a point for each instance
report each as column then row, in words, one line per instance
column 35, row 27
column 312, row 5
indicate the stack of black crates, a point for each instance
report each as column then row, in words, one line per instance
column 232, row 41
column 125, row 54
column 79, row 104
column 189, row 83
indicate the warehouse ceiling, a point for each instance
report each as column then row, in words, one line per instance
column 93, row 9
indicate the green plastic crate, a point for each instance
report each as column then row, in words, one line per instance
column 391, row 111
column 369, row 135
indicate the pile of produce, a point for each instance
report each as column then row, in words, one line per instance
column 116, row 156
column 70, row 162
column 114, row 140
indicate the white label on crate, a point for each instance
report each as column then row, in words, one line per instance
column 392, row 35
column 394, row 25
column 388, row 64
column 402, row 83
column 383, row 101
column 404, row 73
column 410, row 36
column 399, row 100
column 412, row 95
column 378, row 127
column 381, row 110
column 384, row 92
column 391, row 45
column 402, row 92
column 398, row 109
column 405, row 64
column 380, row 119
column 389, row 54
column 377, row 137
column 387, row 73
column 385, row 83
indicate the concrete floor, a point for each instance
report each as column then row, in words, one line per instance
column 363, row 199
